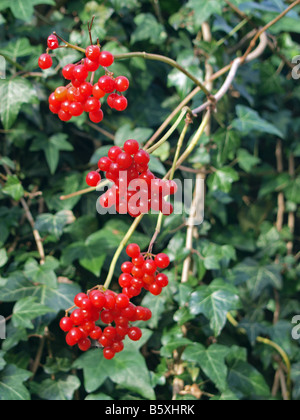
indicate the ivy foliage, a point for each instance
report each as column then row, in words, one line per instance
column 245, row 259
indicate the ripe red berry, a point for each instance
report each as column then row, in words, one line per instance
column 73, row 336
column 155, row 289
column 52, row 42
column 111, row 100
column 61, row 93
column 96, row 116
column 68, row 71
column 110, row 332
column 142, row 158
column 66, row 324
column 86, row 89
column 127, row 267
column 96, row 333
column 124, row 160
column 98, row 92
column 76, row 109
column 107, row 317
column 98, row 299
column 106, row 59
column 162, row 261
column 93, row 178
column 114, row 152
column 121, row 83
column 162, row 280
column 134, row 333
column 108, row 353
column 84, row 344
column 117, row 346
column 104, row 164
column 91, row 65
column 125, row 280
column 45, row 61
column 131, row 147
column 107, row 84
column 133, row 250
column 80, row 73
column 64, row 116
column 77, row 317
column 120, row 103
column 92, row 104
column 92, row 52
column 122, row 301
column 149, row 267
column 79, row 298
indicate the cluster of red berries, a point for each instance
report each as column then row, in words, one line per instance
column 142, row 272
column 136, row 189
column 81, row 95
column 112, row 308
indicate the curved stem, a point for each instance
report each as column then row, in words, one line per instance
column 168, row 134
column 167, row 60
column 120, row 249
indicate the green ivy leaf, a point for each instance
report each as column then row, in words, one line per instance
column 41, row 274
column 23, row 9
column 214, row 302
column 211, row 361
column 54, row 223
column 14, row 93
column 61, row 389
column 13, row 188
column 148, row 28
column 249, row 120
column 27, row 309
column 11, row 384
column 222, row 179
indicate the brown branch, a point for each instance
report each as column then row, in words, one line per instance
column 280, row 198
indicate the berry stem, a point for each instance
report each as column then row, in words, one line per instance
column 169, row 133
column 120, row 249
column 74, row 47
column 167, row 60
column 85, row 191
column 193, row 143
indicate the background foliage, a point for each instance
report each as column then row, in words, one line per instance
column 246, row 257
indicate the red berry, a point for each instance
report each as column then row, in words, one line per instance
column 84, row 344
column 122, row 84
column 104, row 164
column 92, row 104
column 106, row 59
column 127, row 267
column 111, row 100
column 131, row 147
column 80, row 73
column 96, row 333
column 162, row 261
column 110, row 332
column 114, row 152
column 73, row 336
column 125, row 280
column 134, row 333
column 96, row 116
column 155, row 289
column 120, row 103
column 149, row 267
column 92, row 52
column 93, row 179
column 66, row 324
column 108, row 353
column 107, row 317
column 45, row 61
column 91, row 65
column 110, row 301
column 98, row 92
column 52, row 42
column 122, row 301
column 86, row 89
column 162, row 280
column 61, row 93
column 76, row 109
column 77, row 317
column 133, row 250
column 142, row 158
column 104, row 341
column 107, row 84
column 68, row 71
column 117, row 346
column 64, row 116
column 79, row 298
column 148, row 279
column 124, row 160
column 98, row 299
